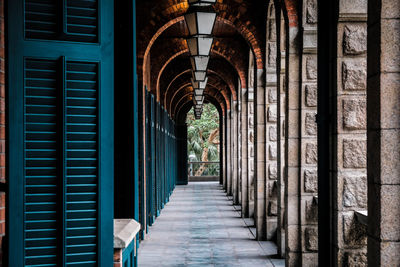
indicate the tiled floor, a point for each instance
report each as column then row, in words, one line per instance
column 200, row 227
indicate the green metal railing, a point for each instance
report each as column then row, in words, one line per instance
column 161, row 157
column 203, row 168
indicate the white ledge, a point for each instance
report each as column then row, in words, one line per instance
column 125, row 230
column 362, row 216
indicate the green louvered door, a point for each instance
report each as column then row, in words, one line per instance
column 60, row 137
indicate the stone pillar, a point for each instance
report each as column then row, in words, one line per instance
column 271, row 126
column 383, row 102
column 308, row 134
column 228, row 154
column 292, row 149
column 239, row 148
column 260, row 175
column 223, row 150
column 349, row 173
column 244, row 148
column 281, row 108
column 235, row 189
column 250, row 133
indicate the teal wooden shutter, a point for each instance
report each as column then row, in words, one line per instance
column 60, row 134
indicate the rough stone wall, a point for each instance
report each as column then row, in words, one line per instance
column 293, row 147
column 239, row 148
column 250, row 134
column 260, row 161
column 308, row 135
column 224, row 163
column 235, row 140
column 228, row 154
column 271, row 126
column 281, row 106
column 244, row 159
column 349, row 174
column 383, row 132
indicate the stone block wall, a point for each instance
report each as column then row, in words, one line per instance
column 244, row 157
column 250, row 134
column 308, row 110
column 271, row 124
column 350, row 173
column 281, row 107
column 235, row 151
column 260, row 208
column 383, row 124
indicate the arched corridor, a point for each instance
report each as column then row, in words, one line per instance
column 95, row 167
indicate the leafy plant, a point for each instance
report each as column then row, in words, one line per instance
column 203, row 138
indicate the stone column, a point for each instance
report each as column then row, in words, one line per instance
column 383, row 102
column 223, row 149
column 228, row 154
column 292, row 149
column 239, row 148
column 349, row 173
column 260, row 175
column 235, row 189
column 244, row 148
column 308, row 134
column 281, row 109
column 250, row 133
column 271, row 126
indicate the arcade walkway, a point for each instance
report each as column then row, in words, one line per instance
column 200, row 227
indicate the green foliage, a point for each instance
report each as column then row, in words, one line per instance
column 199, row 132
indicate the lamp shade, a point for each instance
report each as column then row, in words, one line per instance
column 199, row 45
column 199, row 84
column 202, row 2
column 198, row 100
column 199, row 63
column 200, row 22
column 198, row 91
column 199, row 75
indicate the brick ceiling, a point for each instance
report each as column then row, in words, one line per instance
column 163, row 56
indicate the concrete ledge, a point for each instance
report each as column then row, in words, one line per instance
column 125, row 230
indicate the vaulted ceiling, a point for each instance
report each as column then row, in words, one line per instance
column 163, row 56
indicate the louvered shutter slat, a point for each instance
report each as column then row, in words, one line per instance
column 82, row 162
column 40, row 163
column 42, row 20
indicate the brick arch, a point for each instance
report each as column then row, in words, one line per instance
column 188, row 104
column 226, row 54
column 210, row 71
column 163, row 68
column 290, row 9
column 222, row 72
column 185, row 108
column 210, row 91
column 186, row 87
column 173, row 14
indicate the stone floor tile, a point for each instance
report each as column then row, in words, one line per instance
column 201, row 227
